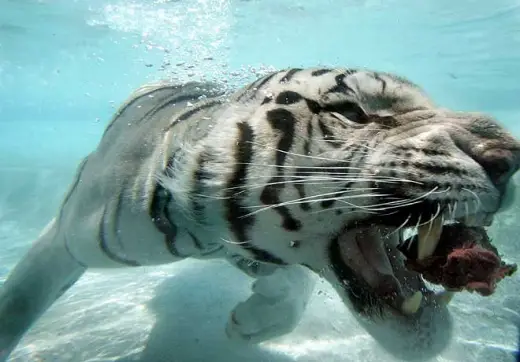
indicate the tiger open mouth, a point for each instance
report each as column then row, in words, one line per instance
column 388, row 268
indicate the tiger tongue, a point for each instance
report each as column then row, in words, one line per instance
column 363, row 251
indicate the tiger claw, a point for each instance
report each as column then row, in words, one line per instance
column 444, row 297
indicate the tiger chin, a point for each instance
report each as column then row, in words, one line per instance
column 302, row 173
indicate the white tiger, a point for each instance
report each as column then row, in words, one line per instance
column 303, row 171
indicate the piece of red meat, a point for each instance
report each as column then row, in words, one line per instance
column 464, row 259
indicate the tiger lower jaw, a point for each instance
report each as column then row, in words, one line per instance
column 365, row 250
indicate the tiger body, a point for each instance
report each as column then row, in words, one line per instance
column 186, row 200
column 266, row 178
column 128, row 217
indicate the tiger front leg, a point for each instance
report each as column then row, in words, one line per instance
column 275, row 307
column 46, row 272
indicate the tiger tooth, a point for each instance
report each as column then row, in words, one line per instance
column 429, row 235
column 412, row 304
column 444, row 297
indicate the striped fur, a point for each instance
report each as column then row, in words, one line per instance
column 266, row 178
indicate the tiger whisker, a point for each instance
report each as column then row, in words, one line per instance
column 304, row 167
column 399, row 228
column 384, row 206
column 342, row 208
column 318, row 169
column 398, row 202
column 293, row 153
column 349, row 179
column 243, row 189
column 283, row 182
column 313, row 199
column 432, row 218
column 455, row 207
column 343, row 179
column 309, row 199
column 319, row 198
column 227, row 241
column 477, row 198
column 369, row 209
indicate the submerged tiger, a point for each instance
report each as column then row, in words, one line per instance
column 302, row 173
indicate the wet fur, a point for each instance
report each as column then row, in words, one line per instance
column 266, row 178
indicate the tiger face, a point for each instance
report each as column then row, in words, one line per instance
column 420, row 167
column 416, row 168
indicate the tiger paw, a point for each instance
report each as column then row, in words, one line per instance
column 275, row 308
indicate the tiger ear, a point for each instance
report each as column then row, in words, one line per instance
column 386, row 95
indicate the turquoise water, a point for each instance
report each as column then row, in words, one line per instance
column 65, row 65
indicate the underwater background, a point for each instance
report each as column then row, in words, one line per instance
column 66, row 65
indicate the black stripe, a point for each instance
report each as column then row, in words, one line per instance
column 200, row 175
column 167, row 99
column 144, row 95
column 239, row 222
column 197, row 109
column 292, row 97
column 436, row 169
column 288, row 97
column 196, row 241
column 290, row 74
column 351, row 110
column 328, row 135
column 159, row 214
column 79, row 171
column 237, row 216
column 283, row 121
column 299, row 185
column 317, row 73
column 307, row 144
column 426, row 151
column 246, row 91
column 341, row 86
column 172, row 102
column 103, row 245
column 253, row 85
column 135, row 100
column 169, row 164
column 314, row 106
column 383, row 82
column 264, row 256
column 266, row 100
column 66, row 242
column 256, row 87
column 116, row 228
column 160, row 199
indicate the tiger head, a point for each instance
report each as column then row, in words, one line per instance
column 418, row 168
column 385, row 160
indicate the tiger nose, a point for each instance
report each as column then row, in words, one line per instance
column 500, row 164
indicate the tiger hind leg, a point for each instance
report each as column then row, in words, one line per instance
column 41, row 277
column 275, row 307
